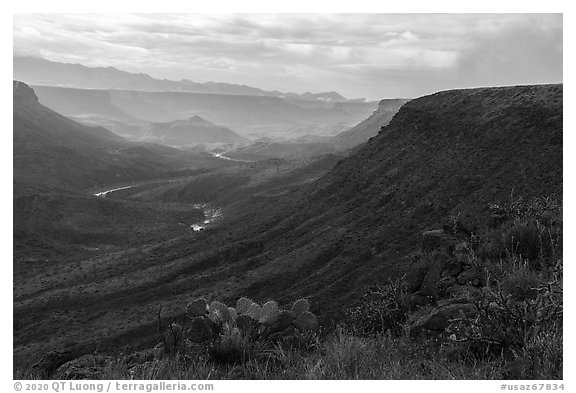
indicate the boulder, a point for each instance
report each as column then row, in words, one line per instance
column 429, row 285
column 452, row 268
column 445, row 284
column 471, row 276
column 437, row 240
column 462, row 253
column 439, row 318
column 84, row 367
column 463, row 292
column 51, row 361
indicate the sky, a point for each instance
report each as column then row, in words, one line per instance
column 358, row 55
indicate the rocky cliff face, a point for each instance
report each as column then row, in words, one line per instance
column 368, row 128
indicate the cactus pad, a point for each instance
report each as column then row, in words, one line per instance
column 255, row 311
column 197, row 308
column 245, row 323
column 307, row 322
column 242, row 305
column 269, row 313
column 283, row 321
column 233, row 313
column 218, row 312
column 299, row 307
column 200, row 330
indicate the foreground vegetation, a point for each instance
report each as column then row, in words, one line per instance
column 484, row 305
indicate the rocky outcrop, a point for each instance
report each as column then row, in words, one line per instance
column 438, row 319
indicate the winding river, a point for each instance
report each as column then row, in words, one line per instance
column 211, row 213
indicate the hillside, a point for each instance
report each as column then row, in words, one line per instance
column 450, row 154
column 53, row 151
column 368, row 128
column 192, row 131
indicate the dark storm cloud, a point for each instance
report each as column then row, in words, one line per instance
column 373, row 55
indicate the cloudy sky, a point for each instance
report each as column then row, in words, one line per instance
column 359, row 55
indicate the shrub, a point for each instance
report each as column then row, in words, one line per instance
column 506, row 326
column 381, row 309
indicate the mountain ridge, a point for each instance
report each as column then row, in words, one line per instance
column 61, row 74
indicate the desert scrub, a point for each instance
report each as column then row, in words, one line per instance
column 528, row 230
column 512, row 324
column 382, row 308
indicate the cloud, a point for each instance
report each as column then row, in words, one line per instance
column 373, row 55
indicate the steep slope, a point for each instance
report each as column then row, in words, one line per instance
column 451, row 153
column 371, row 126
column 194, row 130
column 53, row 151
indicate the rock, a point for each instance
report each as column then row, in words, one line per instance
column 143, row 356
column 439, row 318
column 429, row 285
column 463, row 292
column 471, row 276
column 457, row 228
column 436, row 240
column 453, row 268
column 84, row 367
column 51, row 361
column 419, row 299
column 445, row 283
column 416, row 275
column 462, row 253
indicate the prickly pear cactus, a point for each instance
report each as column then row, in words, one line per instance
column 307, row 322
column 269, row 313
column 242, row 305
column 233, row 313
column 218, row 312
column 245, row 324
column 200, row 330
column 283, row 321
column 255, row 311
column 299, row 307
column 197, row 308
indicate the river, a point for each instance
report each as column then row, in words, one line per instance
column 211, row 213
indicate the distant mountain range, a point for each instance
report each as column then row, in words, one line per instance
column 37, row 71
column 127, row 111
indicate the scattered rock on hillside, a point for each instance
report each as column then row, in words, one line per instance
column 51, row 361
column 84, row 367
column 439, row 318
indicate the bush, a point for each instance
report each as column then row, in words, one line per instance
column 381, row 309
column 506, row 326
column 529, row 230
